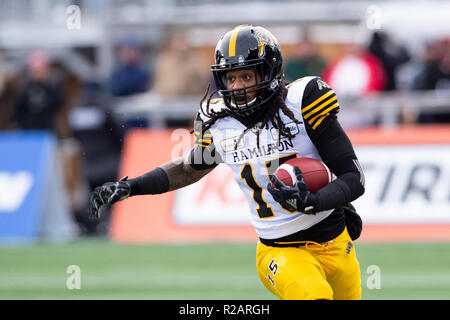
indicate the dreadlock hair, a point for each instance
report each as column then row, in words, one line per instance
column 268, row 113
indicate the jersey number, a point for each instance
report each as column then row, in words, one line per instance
column 263, row 210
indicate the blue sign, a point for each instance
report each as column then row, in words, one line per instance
column 25, row 165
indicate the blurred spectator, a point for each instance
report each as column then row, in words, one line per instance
column 39, row 102
column 435, row 75
column 129, row 77
column 6, row 100
column 43, row 103
column 6, row 104
column 391, row 56
column 179, row 70
column 355, row 74
column 2, row 76
column 306, row 62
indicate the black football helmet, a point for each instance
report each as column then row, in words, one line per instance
column 254, row 47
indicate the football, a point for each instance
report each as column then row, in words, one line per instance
column 315, row 172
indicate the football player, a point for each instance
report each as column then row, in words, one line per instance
column 305, row 248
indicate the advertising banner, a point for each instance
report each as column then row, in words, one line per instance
column 407, row 174
column 33, row 202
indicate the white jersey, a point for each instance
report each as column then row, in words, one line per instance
column 252, row 165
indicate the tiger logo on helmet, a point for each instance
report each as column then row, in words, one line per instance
column 263, row 40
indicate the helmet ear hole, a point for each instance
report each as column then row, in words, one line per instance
column 274, row 85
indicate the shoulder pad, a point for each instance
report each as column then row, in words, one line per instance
column 216, row 105
column 296, row 90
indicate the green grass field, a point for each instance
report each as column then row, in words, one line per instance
column 212, row 271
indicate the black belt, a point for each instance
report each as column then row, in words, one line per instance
column 276, row 243
column 319, row 233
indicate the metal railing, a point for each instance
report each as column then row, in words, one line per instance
column 385, row 107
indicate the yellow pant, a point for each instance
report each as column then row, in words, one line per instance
column 314, row 271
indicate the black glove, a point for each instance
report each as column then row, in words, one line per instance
column 295, row 198
column 108, row 193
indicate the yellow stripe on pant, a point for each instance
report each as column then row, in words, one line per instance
column 314, row 271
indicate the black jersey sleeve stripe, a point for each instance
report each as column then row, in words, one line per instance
column 203, row 155
column 311, row 111
column 202, row 142
column 319, row 109
column 205, row 134
column 319, row 102
column 203, row 139
column 322, row 97
column 317, row 120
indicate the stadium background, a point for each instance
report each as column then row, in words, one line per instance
column 129, row 76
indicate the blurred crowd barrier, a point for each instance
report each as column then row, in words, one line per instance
column 88, row 72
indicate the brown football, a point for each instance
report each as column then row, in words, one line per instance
column 315, row 172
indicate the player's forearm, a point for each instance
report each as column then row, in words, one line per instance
column 345, row 189
column 181, row 174
column 337, row 152
column 170, row 176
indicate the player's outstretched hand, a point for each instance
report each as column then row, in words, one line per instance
column 295, row 198
column 108, row 193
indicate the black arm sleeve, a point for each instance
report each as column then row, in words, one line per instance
column 319, row 109
column 337, row 153
column 153, row 182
